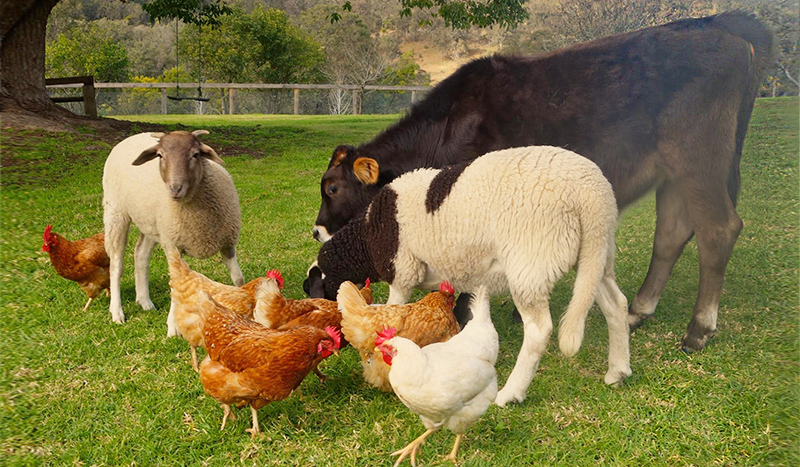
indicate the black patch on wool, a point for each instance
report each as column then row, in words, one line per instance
column 441, row 185
column 344, row 258
column 382, row 233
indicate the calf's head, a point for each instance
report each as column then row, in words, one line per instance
column 347, row 188
column 180, row 160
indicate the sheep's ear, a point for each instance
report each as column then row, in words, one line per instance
column 200, row 132
column 366, row 170
column 209, row 153
column 146, row 155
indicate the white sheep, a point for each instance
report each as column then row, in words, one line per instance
column 514, row 220
column 186, row 202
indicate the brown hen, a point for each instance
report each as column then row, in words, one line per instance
column 248, row 363
column 83, row 261
column 427, row 321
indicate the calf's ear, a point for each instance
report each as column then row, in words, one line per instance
column 366, row 170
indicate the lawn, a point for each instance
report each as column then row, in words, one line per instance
column 77, row 389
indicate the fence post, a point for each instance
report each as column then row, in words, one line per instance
column 231, row 108
column 89, row 102
column 356, row 110
column 164, row 101
column 297, row 101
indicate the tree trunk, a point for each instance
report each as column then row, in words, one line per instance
column 22, row 55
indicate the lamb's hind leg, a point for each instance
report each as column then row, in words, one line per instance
column 141, row 266
column 614, row 305
column 229, row 258
column 537, row 325
column 116, row 235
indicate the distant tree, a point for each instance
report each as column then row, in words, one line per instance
column 87, row 49
column 782, row 17
column 585, row 20
column 261, row 46
column 23, row 26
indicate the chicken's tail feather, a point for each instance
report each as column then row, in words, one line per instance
column 265, row 294
column 354, row 311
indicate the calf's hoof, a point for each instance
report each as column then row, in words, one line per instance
column 635, row 320
column 693, row 342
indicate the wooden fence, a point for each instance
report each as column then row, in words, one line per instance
column 232, row 87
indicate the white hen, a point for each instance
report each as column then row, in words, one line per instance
column 448, row 384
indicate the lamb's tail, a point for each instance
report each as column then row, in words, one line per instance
column 598, row 222
column 355, row 313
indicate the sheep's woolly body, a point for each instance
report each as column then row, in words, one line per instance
column 200, row 226
column 205, row 222
column 513, row 220
column 497, row 218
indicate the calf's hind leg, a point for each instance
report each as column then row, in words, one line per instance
column 673, row 231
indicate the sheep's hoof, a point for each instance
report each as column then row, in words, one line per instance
column 504, row 397
column 617, row 376
column 146, row 304
column 635, row 320
column 118, row 317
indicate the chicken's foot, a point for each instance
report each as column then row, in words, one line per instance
column 87, row 304
column 319, row 374
column 227, row 412
column 412, row 448
column 255, row 430
column 452, row 455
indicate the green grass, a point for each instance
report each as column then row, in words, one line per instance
column 77, row 389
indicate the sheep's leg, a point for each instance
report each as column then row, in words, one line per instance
column 229, row 258
column 116, row 235
column 141, row 267
column 172, row 328
column 537, row 325
column 614, row 305
column 398, row 296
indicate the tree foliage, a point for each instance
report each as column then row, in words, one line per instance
column 196, row 12
column 87, row 49
column 261, row 46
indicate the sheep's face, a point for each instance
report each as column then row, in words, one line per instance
column 180, row 160
column 347, row 188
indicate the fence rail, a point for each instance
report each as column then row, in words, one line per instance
column 231, row 88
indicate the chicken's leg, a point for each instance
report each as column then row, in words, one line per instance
column 412, row 448
column 227, row 412
column 194, row 359
column 87, row 304
column 452, row 455
column 255, row 430
column 319, row 375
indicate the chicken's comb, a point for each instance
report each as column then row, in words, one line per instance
column 366, row 284
column 47, row 231
column 275, row 274
column 335, row 334
column 447, row 287
column 384, row 335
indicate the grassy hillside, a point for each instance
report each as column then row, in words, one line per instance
column 77, row 389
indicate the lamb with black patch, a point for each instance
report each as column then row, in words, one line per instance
column 513, row 220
